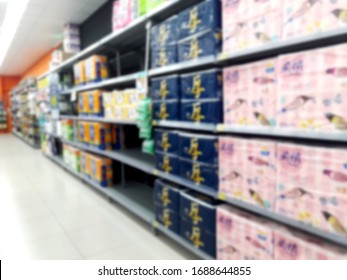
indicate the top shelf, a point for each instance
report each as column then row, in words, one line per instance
column 137, row 27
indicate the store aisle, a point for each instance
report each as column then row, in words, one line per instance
column 45, row 213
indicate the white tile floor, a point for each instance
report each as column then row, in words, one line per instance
column 45, row 213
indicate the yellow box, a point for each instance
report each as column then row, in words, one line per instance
column 79, row 73
column 96, row 68
column 101, row 170
column 95, row 103
column 107, row 99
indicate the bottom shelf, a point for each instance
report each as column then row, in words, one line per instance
column 33, row 145
column 136, row 198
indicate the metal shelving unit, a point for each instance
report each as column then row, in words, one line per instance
column 138, row 160
column 98, row 119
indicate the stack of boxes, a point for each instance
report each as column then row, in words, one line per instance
column 250, row 94
column 97, row 169
column 199, row 31
column 166, row 94
column 167, row 205
column 99, row 135
column 72, row 157
column 91, row 70
column 166, row 144
column 122, row 105
column 72, row 41
column 198, row 221
column 199, row 159
column 202, row 97
column 194, row 97
column 243, row 236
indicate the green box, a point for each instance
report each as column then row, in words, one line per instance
column 142, row 7
column 151, row 4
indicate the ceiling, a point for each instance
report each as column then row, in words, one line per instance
column 41, row 29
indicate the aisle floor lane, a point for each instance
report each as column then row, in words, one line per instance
column 45, row 213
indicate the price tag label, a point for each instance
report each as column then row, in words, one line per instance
column 223, row 55
column 222, row 196
column 155, row 224
column 221, row 127
column 155, row 123
column 73, row 96
column 155, row 172
column 141, row 83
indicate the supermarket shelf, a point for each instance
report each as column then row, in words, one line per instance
column 285, row 220
column 181, row 241
column 209, row 61
column 135, row 197
column 106, row 83
column 287, row 46
column 134, row 157
column 284, row 133
column 35, row 146
column 186, row 125
column 122, row 37
column 98, row 119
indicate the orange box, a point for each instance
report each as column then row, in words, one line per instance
column 83, row 103
column 84, row 132
column 94, row 103
column 85, row 164
column 100, row 135
column 101, row 171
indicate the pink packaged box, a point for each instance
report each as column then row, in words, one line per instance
column 303, row 17
column 311, row 90
column 312, row 186
column 123, row 13
column 250, row 94
column 251, row 23
column 242, row 236
column 247, row 170
column 289, row 245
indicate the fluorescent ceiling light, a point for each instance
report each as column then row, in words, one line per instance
column 14, row 13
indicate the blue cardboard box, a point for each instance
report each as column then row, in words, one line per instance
column 199, row 238
column 164, row 55
column 200, row 210
column 167, row 163
column 166, row 141
column 165, row 33
column 166, row 88
column 166, row 110
column 167, row 218
column 202, row 111
column 200, row 174
column 203, row 44
column 201, row 148
column 206, row 15
column 167, row 195
column 202, row 85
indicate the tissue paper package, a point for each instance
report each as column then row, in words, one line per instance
column 247, row 170
column 242, row 236
column 166, row 88
column 302, row 17
column 166, row 110
column 312, row 90
column 202, row 85
column 312, row 186
column 202, row 111
column 165, row 33
column 250, row 94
